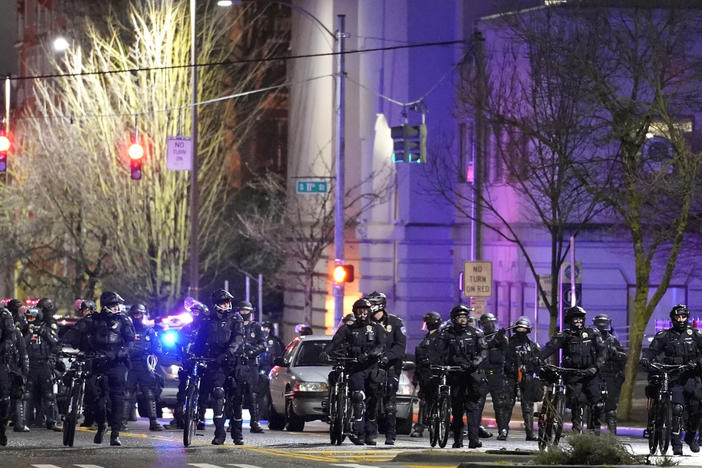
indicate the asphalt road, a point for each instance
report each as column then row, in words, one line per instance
column 41, row 448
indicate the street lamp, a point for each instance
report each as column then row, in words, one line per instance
column 60, row 44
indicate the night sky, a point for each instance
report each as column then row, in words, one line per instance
column 8, row 58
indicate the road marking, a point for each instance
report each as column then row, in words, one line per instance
column 89, row 466
column 46, row 466
column 354, row 465
column 241, row 465
column 204, row 465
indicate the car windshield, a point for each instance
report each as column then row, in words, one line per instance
column 311, row 354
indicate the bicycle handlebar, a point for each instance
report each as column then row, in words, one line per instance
column 563, row 370
column 446, row 368
column 668, row 368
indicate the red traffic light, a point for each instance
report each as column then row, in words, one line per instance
column 136, row 151
column 343, row 274
column 5, row 143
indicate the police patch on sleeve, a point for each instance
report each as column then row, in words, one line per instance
column 403, row 330
column 689, row 331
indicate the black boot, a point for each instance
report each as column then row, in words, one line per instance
column 114, row 439
column 691, row 440
column 529, row 425
column 483, row 433
column 503, row 434
column 3, row 436
column 457, row 428
column 256, row 427
column 611, row 419
column 577, row 420
column 220, row 434
column 153, row 423
column 19, row 425
column 101, row 429
column 417, row 431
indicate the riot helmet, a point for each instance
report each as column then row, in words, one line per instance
column 47, row 307
column 456, row 316
column 109, row 299
column 348, row 320
column 87, row 308
column 13, row 305
column 362, row 310
column 245, row 309
column 572, row 313
column 222, row 301
column 603, row 323
column 378, row 301
column 34, row 316
column 137, row 313
column 432, row 320
column 488, row 322
column 679, row 315
column 522, row 323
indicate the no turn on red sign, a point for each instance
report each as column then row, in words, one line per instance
column 477, row 279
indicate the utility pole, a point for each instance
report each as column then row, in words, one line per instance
column 194, row 245
column 340, row 172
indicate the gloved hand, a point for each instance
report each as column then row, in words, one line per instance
column 383, row 361
column 467, row 366
column 690, row 366
column 501, row 332
column 590, row 372
column 645, row 363
column 363, row 357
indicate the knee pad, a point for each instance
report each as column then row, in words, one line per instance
column 358, row 396
column 218, row 393
column 599, row 406
column 677, row 410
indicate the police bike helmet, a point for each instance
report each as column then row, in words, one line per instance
column 13, row 305
column 110, row 299
column 573, row 313
column 34, row 316
column 222, row 301
column 137, row 312
column 359, row 306
column 522, row 322
column 432, row 320
column 349, row 319
column 458, row 311
column 602, row 322
column 488, row 321
column 676, row 311
column 245, row 309
column 377, row 300
column 87, row 308
column 47, row 306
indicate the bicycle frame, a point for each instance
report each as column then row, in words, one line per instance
column 660, row 410
column 339, row 404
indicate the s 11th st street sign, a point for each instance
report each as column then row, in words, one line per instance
column 477, row 279
column 311, row 186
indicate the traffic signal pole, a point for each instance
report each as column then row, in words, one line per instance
column 194, row 246
column 340, row 173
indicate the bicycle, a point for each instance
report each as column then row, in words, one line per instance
column 552, row 410
column 191, row 411
column 80, row 372
column 340, row 408
column 660, row 408
column 440, row 406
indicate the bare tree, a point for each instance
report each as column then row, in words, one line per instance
column 134, row 234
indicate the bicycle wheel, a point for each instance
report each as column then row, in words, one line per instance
column 545, row 422
column 190, row 415
column 664, row 425
column 69, row 425
column 335, row 416
column 558, row 415
column 652, row 427
column 444, row 419
column 433, row 423
column 346, row 410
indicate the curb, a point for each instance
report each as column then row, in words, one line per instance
column 488, row 457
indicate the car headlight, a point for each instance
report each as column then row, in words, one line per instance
column 404, row 389
column 172, row 370
column 311, row 387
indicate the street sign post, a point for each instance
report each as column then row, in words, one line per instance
column 477, row 279
column 311, row 186
column 179, row 153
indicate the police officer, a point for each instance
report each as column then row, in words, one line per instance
column 220, row 337
column 274, row 349
column 247, row 375
column 395, row 346
column 494, row 367
column 186, row 337
column 142, row 381
column 111, row 334
column 7, row 343
column 613, row 370
column 364, row 340
column 427, row 354
column 19, row 367
column 522, row 364
column 464, row 346
column 42, row 346
column 583, row 349
column 681, row 344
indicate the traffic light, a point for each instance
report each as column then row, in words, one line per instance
column 5, row 145
column 409, row 143
column 136, row 156
column 343, row 274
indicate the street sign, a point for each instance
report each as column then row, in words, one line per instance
column 311, row 186
column 477, row 279
column 179, row 154
column 545, row 282
column 480, row 306
column 578, row 272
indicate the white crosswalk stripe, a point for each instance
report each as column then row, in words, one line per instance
column 89, row 466
column 354, row 465
column 204, row 465
column 46, row 466
column 242, row 465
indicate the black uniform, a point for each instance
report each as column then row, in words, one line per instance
column 494, row 367
column 682, row 346
column 521, row 366
column 7, row 343
column 246, row 384
column 427, row 353
column 465, row 347
column 142, row 381
column 583, row 349
column 79, row 337
column 365, row 341
column 395, row 346
column 219, row 336
column 19, row 369
column 111, row 335
column 42, row 347
column 613, row 376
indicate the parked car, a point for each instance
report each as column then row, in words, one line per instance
column 299, row 387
